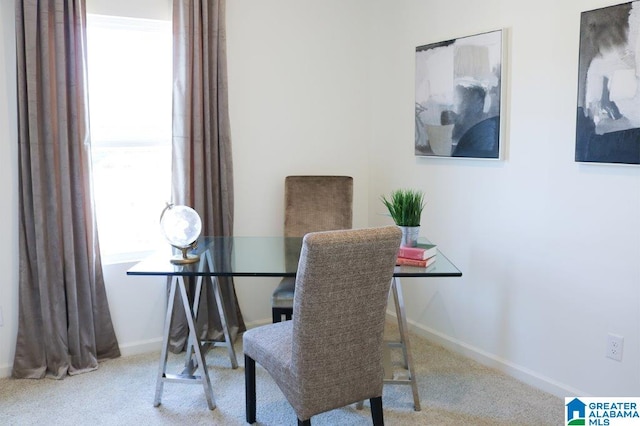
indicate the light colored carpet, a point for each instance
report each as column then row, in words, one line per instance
column 453, row 391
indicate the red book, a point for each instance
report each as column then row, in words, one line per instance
column 415, row 262
column 422, row 252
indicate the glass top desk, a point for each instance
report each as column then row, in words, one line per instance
column 259, row 257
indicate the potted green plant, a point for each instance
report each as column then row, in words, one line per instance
column 405, row 207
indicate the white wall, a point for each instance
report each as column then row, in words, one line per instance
column 549, row 248
column 297, row 86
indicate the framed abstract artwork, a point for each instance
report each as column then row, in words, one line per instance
column 608, row 113
column 458, row 97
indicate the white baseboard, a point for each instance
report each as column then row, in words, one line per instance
column 141, row 347
column 257, row 323
column 518, row 372
column 5, row 371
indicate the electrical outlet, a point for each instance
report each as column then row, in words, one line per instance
column 614, row 347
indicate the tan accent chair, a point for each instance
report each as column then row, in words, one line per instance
column 330, row 354
column 312, row 203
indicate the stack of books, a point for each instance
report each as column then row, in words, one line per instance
column 422, row 256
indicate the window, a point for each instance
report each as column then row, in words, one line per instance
column 130, row 79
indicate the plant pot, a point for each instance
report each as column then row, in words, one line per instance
column 440, row 139
column 409, row 236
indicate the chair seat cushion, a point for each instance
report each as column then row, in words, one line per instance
column 282, row 296
column 271, row 346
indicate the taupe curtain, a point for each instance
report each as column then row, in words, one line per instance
column 64, row 322
column 202, row 162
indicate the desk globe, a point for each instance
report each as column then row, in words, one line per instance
column 181, row 226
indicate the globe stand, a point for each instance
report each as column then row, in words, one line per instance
column 185, row 258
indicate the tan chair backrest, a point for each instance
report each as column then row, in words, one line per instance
column 317, row 203
column 342, row 286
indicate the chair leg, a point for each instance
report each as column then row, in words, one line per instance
column 250, row 388
column 304, row 422
column 277, row 313
column 376, row 411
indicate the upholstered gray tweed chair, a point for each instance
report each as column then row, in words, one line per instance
column 330, row 354
column 312, row 203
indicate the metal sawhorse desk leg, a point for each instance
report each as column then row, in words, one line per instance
column 195, row 359
column 187, row 376
column 403, row 343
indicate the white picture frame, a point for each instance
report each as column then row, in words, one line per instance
column 459, row 97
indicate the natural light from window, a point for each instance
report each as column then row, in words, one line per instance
column 130, row 78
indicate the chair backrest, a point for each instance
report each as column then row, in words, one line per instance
column 317, row 203
column 342, row 286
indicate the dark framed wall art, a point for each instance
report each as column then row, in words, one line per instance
column 608, row 113
column 458, row 97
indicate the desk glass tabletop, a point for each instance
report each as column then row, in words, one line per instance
column 260, row 256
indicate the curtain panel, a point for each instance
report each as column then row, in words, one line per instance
column 202, row 169
column 64, row 321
